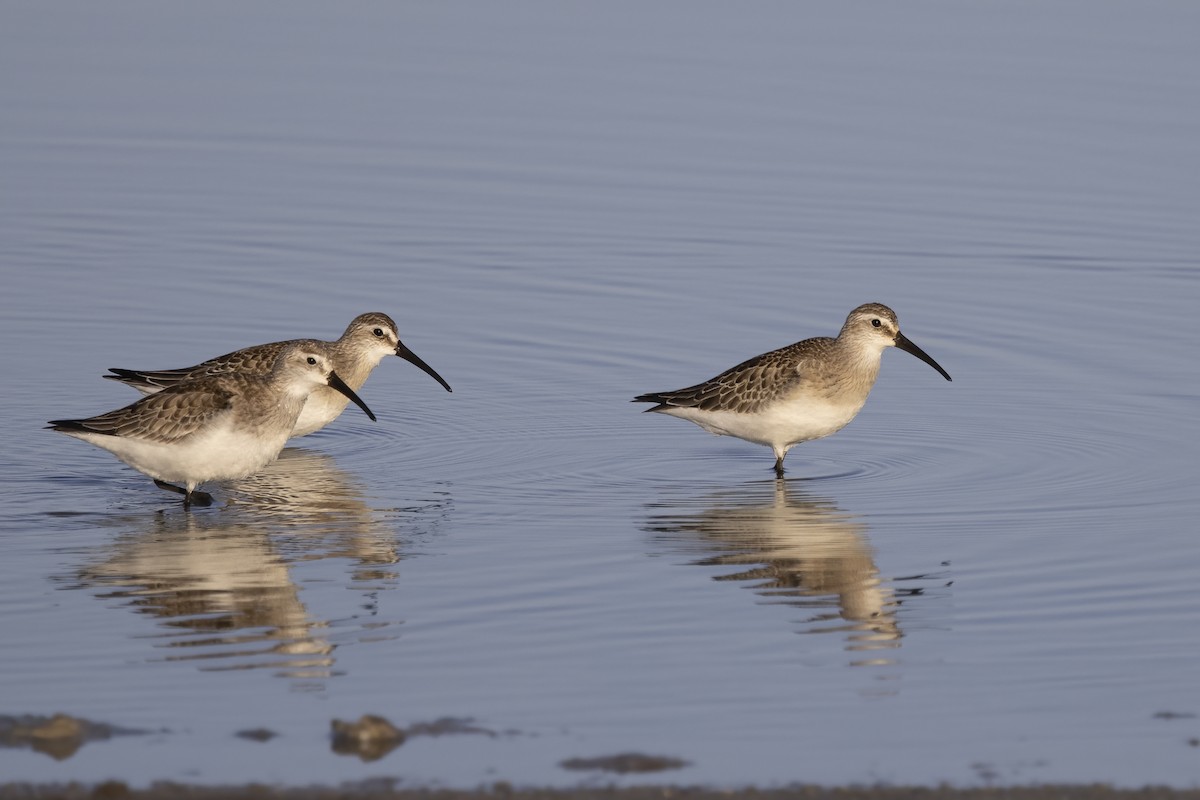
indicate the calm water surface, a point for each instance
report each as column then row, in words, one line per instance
column 990, row 580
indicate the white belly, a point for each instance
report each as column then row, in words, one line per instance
column 213, row 455
column 780, row 425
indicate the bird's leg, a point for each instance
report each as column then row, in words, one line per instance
column 170, row 487
column 190, row 496
column 779, row 463
column 197, row 497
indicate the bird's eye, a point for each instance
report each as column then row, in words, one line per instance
column 378, row 332
column 875, row 323
column 312, row 361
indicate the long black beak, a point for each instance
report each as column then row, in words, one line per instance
column 907, row 346
column 337, row 383
column 413, row 358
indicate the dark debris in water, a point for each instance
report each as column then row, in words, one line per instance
column 372, row 737
column 625, row 763
column 59, row 736
column 448, row 726
column 257, row 734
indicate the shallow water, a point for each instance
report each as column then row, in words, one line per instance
column 563, row 206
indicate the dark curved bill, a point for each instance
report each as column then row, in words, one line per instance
column 337, row 383
column 413, row 358
column 907, row 346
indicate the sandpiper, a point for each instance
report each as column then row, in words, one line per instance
column 797, row 393
column 215, row 427
column 367, row 339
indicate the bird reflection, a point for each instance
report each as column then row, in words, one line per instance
column 223, row 584
column 321, row 509
column 798, row 549
column 226, row 595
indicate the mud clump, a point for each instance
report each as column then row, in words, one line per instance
column 625, row 763
column 372, row 737
column 59, row 736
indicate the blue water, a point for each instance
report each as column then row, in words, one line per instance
column 563, row 206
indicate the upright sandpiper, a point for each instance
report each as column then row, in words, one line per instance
column 804, row 391
column 216, row 427
column 367, row 339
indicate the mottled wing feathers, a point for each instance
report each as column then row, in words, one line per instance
column 256, row 360
column 744, row 388
column 164, row 417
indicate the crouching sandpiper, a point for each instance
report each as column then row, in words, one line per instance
column 367, row 339
column 213, row 428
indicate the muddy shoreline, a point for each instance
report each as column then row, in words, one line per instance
column 371, row 737
column 388, row 790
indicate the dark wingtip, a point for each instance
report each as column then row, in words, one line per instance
column 659, row 403
column 124, row 375
column 77, row 426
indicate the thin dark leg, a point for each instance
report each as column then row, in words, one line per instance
column 198, row 498
column 191, row 498
column 170, row 487
column 779, row 466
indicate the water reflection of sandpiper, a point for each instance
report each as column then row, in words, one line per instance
column 226, row 597
column 321, row 509
column 223, row 583
column 798, row 549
